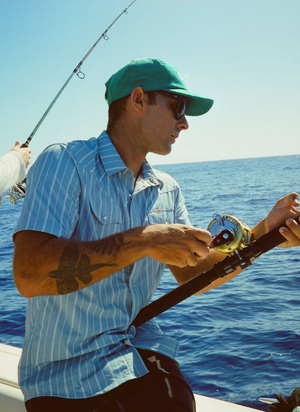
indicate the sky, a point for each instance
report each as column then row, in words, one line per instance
column 244, row 54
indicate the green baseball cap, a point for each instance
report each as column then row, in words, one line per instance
column 150, row 75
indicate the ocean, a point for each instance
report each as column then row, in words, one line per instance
column 240, row 341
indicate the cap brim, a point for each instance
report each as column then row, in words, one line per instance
column 196, row 105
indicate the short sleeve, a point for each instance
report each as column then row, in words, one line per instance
column 53, row 189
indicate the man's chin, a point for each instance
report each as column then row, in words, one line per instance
column 166, row 151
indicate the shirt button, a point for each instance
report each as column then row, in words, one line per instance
column 105, row 218
column 134, row 286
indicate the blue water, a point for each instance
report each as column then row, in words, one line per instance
column 241, row 340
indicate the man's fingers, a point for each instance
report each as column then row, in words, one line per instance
column 291, row 233
column 203, row 235
column 291, row 200
column 201, row 251
column 178, row 245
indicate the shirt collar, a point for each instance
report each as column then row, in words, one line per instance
column 111, row 159
column 148, row 173
column 113, row 163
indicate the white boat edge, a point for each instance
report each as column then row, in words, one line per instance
column 12, row 400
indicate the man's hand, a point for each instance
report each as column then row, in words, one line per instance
column 176, row 244
column 283, row 212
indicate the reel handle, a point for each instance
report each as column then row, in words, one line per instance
column 224, row 238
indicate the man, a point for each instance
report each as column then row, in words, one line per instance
column 97, row 228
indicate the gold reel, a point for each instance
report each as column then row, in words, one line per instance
column 240, row 232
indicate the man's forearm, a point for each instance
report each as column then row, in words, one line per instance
column 46, row 265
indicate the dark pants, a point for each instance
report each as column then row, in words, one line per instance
column 163, row 389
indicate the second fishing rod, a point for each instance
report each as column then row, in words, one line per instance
column 18, row 191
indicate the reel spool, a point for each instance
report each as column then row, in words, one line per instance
column 229, row 233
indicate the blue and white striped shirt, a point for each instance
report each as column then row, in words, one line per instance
column 81, row 344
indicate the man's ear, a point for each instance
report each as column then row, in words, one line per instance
column 138, row 100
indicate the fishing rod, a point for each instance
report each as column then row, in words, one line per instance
column 240, row 258
column 18, row 191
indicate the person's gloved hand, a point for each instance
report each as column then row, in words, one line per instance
column 287, row 405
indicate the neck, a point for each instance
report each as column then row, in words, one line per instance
column 127, row 148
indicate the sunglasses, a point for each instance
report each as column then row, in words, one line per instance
column 181, row 106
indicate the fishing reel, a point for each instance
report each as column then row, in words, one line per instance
column 17, row 192
column 229, row 233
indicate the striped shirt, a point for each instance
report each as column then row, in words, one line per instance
column 81, row 344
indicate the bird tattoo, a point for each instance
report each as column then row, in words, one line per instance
column 71, row 268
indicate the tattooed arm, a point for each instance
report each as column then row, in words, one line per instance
column 47, row 265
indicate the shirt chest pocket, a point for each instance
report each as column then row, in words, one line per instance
column 156, row 216
column 107, row 216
